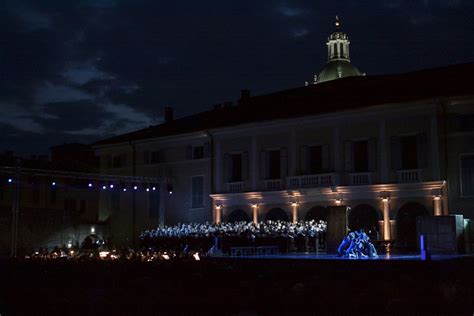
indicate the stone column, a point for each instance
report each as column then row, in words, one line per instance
column 383, row 153
column 437, row 206
column 217, row 214
column 253, row 164
column 386, row 219
column 295, row 212
column 337, row 154
column 218, row 167
column 435, row 156
column 292, row 154
column 255, row 213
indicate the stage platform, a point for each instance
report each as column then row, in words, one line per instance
column 332, row 257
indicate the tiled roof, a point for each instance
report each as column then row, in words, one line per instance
column 333, row 96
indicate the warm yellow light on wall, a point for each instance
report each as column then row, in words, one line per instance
column 338, row 201
column 255, row 205
column 218, row 207
column 436, row 197
column 294, row 204
column 385, row 199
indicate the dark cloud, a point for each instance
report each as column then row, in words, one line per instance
column 88, row 69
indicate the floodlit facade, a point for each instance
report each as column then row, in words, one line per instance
column 390, row 147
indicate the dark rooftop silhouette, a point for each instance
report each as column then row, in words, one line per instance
column 333, row 96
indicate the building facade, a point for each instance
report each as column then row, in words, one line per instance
column 390, row 147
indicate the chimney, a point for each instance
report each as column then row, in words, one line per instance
column 168, row 114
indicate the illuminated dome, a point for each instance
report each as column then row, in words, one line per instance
column 336, row 69
column 339, row 64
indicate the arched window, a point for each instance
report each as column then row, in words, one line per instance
column 365, row 217
column 276, row 214
column 238, row 216
column 317, row 213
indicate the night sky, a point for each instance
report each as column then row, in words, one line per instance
column 90, row 69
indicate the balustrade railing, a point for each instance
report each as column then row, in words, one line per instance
column 234, row 187
column 411, row 175
column 360, row 178
column 273, row 184
column 313, row 180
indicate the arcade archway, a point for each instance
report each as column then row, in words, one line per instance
column 365, row 217
column 317, row 213
column 238, row 216
column 406, row 223
column 276, row 214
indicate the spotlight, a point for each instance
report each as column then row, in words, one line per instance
column 124, row 189
column 53, row 183
column 170, row 188
column 10, row 180
column 111, row 186
column 135, row 187
column 104, row 187
column 196, row 256
column 148, row 189
column 154, row 188
column 90, row 185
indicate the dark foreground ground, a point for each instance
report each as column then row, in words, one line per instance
column 238, row 287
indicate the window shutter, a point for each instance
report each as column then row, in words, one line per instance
column 245, row 166
column 264, row 164
column 207, row 149
column 304, row 159
column 227, row 167
column 189, row 152
column 395, row 153
column 283, row 162
column 349, row 156
column 421, row 148
column 325, row 157
column 372, row 154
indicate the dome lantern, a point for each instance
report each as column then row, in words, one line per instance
column 339, row 63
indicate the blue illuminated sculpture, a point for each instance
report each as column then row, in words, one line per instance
column 357, row 245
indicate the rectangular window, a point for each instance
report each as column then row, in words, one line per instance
column 115, row 196
column 155, row 157
column 198, row 152
column 82, row 207
column 52, row 195
column 236, row 175
column 409, row 152
column 36, row 195
column 361, row 156
column 119, row 161
column 146, row 157
column 197, row 199
column 467, row 175
column 315, row 159
column 154, row 205
column 274, row 164
column 69, row 206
